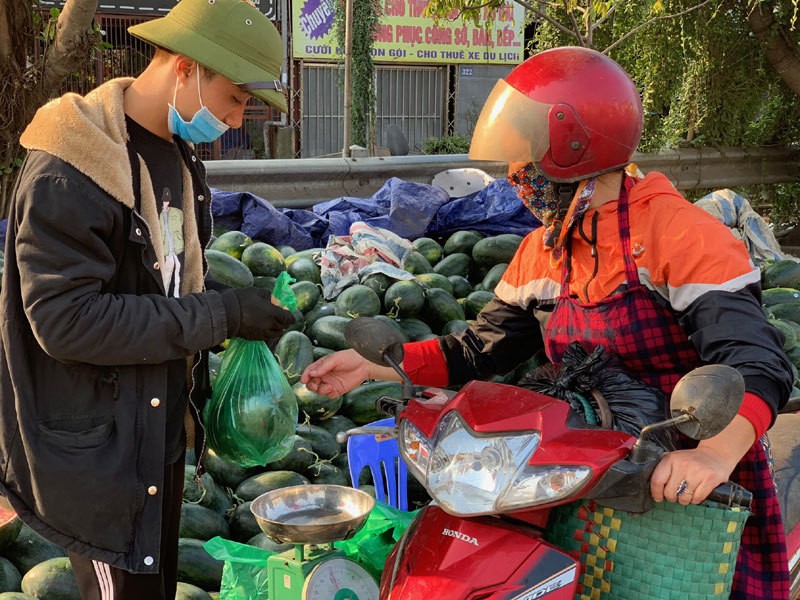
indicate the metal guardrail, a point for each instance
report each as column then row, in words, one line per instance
column 300, row 183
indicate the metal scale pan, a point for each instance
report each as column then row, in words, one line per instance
column 312, row 514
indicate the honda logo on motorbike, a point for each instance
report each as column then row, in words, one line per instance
column 461, row 536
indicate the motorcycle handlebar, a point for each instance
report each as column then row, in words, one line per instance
column 376, row 430
column 731, row 494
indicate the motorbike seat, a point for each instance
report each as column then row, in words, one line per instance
column 784, row 439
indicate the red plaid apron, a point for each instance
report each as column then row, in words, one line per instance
column 654, row 347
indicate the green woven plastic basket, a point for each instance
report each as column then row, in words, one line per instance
column 672, row 552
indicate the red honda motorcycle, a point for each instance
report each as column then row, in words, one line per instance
column 496, row 459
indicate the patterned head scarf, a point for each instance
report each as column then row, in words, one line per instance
column 538, row 195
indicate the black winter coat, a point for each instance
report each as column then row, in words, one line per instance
column 88, row 334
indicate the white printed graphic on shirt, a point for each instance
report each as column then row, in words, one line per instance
column 172, row 235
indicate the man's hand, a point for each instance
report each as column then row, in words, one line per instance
column 252, row 315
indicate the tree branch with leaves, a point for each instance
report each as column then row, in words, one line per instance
column 29, row 78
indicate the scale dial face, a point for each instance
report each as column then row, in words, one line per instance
column 339, row 579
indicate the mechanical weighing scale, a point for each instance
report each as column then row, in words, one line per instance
column 312, row 517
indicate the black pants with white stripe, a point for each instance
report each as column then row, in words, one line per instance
column 100, row 581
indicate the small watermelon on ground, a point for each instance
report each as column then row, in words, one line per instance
column 461, row 286
column 378, row 283
column 496, row 249
column 404, row 299
column 358, row 301
column 187, row 591
column 360, row 403
column 779, row 296
column 328, row 332
column 307, row 295
column 415, row 329
column 434, row 280
column 494, row 276
column 227, row 270
column 201, row 523
column 461, row 241
column 243, row 524
column 304, row 269
column 52, row 578
column 336, row 424
column 312, row 254
column 196, row 566
column 10, row 577
column 261, row 540
column 429, row 248
column 393, row 323
column 326, row 473
column 30, row 549
column 263, row 259
column 781, row 274
column 232, row 243
column 441, row 307
column 299, row 458
column 294, row 352
column 415, row 263
column 317, row 406
column 252, row 487
column 225, row 472
column 476, row 301
column 457, row 263
column 789, row 311
column 322, row 309
column 322, row 442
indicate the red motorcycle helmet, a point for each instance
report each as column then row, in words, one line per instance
column 571, row 111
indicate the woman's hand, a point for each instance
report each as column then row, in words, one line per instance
column 337, row 373
column 689, row 476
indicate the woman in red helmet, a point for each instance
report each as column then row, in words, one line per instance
column 621, row 261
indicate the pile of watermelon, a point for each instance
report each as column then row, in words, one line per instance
column 780, row 282
column 453, row 279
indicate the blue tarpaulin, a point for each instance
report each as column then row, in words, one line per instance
column 408, row 209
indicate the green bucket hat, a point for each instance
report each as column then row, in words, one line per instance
column 230, row 37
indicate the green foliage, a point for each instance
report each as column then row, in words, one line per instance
column 7, row 168
column 449, row 144
column 703, row 76
column 366, row 18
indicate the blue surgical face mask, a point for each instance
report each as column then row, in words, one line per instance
column 204, row 127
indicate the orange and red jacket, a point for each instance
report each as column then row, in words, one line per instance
column 688, row 260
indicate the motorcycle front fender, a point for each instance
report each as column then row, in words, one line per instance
column 443, row 556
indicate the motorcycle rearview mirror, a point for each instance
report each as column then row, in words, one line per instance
column 711, row 395
column 379, row 343
column 703, row 403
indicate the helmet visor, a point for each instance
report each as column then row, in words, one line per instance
column 511, row 127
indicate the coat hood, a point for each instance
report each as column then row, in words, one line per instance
column 89, row 133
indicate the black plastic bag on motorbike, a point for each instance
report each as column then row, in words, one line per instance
column 599, row 389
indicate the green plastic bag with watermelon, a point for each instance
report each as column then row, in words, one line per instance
column 252, row 415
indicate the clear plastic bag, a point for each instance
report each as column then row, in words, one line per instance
column 252, row 415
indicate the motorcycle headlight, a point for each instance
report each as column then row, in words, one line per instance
column 415, row 449
column 541, row 484
column 471, row 474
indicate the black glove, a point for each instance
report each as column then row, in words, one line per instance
column 252, row 315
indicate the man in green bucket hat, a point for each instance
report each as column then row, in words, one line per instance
column 106, row 315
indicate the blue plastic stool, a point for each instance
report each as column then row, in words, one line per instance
column 389, row 472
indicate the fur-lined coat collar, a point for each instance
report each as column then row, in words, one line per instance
column 89, row 133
